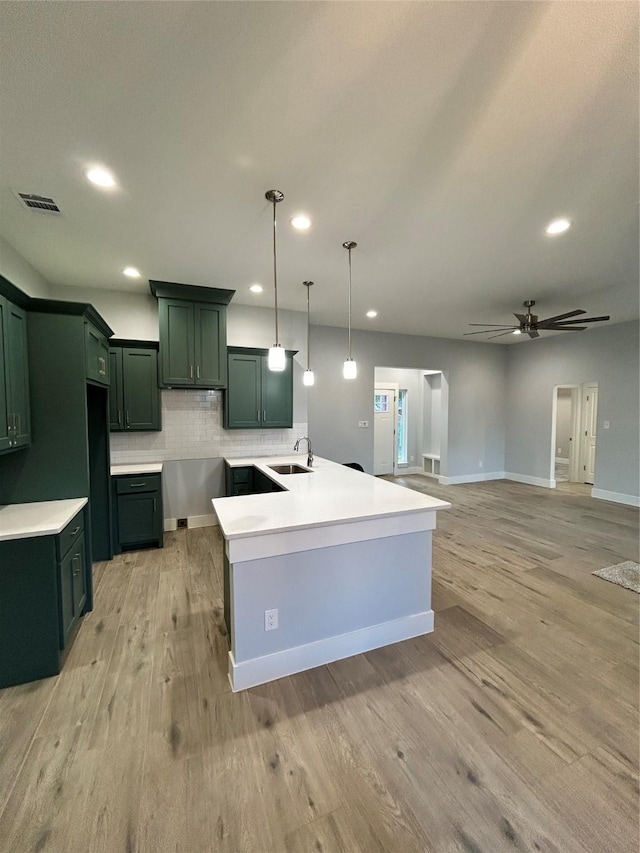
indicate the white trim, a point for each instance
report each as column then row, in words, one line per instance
column 192, row 521
column 472, row 478
column 404, row 469
column 615, row 497
column 289, row 661
column 530, row 481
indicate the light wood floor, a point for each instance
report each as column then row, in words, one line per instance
column 513, row 727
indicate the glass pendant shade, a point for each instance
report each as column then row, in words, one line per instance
column 308, row 378
column 350, row 369
column 277, row 358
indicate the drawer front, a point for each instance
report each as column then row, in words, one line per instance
column 241, row 475
column 132, row 484
column 70, row 535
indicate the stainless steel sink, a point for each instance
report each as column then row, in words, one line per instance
column 290, row 469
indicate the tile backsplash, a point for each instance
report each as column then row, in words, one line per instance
column 192, row 429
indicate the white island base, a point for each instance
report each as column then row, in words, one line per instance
column 340, row 587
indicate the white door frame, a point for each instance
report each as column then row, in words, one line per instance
column 396, row 390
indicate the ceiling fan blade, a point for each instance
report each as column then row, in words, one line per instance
column 557, row 327
column 533, row 334
column 486, row 331
column 504, row 325
column 500, row 335
column 583, row 320
column 562, row 316
column 521, row 318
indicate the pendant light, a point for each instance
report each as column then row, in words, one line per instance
column 307, row 377
column 276, row 360
column 350, row 368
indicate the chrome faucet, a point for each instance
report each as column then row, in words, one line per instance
column 310, row 454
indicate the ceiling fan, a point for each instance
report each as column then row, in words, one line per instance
column 530, row 325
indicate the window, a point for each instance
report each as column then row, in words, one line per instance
column 381, row 403
column 402, row 426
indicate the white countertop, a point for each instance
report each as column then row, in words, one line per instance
column 140, row 468
column 44, row 518
column 330, row 494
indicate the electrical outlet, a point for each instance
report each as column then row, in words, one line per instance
column 412, row 459
column 480, row 463
column 270, row 620
column 606, row 425
column 363, row 424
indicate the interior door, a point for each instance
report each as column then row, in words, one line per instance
column 589, row 420
column 384, row 414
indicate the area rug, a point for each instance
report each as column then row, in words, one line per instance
column 625, row 574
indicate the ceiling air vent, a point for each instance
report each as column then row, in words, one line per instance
column 39, row 203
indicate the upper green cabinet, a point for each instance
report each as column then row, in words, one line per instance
column 14, row 378
column 193, row 335
column 96, row 352
column 134, row 397
column 256, row 397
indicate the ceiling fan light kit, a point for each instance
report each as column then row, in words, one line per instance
column 529, row 324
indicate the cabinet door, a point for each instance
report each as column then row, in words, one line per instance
column 116, row 406
column 18, row 374
column 177, row 345
column 140, row 389
column 4, row 378
column 138, row 518
column 96, row 353
column 67, row 615
column 277, row 395
column 210, row 339
column 243, row 408
column 78, row 577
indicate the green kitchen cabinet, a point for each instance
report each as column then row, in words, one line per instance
column 45, row 583
column 256, row 397
column 193, row 335
column 96, row 353
column 134, row 396
column 138, row 516
column 15, row 430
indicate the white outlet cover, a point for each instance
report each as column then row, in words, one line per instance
column 270, row 620
column 363, row 424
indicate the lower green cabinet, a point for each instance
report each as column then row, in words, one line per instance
column 248, row 480
column 45, row 589
column 137, row 512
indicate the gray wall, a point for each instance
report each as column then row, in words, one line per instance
column 20, row 272
column 476, row 376
column 608, row 356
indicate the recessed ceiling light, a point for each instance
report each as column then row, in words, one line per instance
column 372, row 314
column 517, row 332
column 558, row 226
column 100, row 177
column 131, row 272
column 301, row 222
column 256, row 288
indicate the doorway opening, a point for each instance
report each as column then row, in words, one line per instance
column 573, row 434
column 410, row 419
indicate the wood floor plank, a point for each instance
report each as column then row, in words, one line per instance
column 513, row 727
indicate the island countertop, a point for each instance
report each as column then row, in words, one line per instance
column 42, row 518
column 330, row 494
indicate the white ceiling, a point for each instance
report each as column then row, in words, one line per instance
column 442, row 137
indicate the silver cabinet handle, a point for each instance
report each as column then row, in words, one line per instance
column 258, row 415
column 155, row 505
column 102, row 370
column 73, row 532
column 264, row 416
column 137, row 485
column 191, row 372
column 119, row 417
column 127, row 418
column 198, row 372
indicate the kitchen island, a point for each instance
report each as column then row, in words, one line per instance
column 336, row 563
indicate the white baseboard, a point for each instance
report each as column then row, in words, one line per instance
column 289, row 661
column 530, row 481
column 401, row 470
column 615, row 497
column 192, row 521
column 472, row 478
